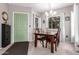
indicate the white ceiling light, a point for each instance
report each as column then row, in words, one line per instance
column 46, row 13
column 50, row 11
column 54, row 12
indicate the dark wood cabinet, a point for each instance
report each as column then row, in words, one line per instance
column 6, row 30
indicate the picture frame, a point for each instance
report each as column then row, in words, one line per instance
column 67, row 18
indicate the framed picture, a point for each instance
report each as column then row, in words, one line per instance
column 43, row 21
column 67, row 18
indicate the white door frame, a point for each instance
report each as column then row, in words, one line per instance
column 62, row 27
column 12, row 41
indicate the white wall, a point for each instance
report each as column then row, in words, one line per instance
column 43, row 18
column 72, row 28
column 76, row 23
column 68, row 31
column 62, row 27
column 67, row 12
column 36, row 15
column 3, row 7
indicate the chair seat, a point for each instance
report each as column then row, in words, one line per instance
column 41, row 36
column 41, row 39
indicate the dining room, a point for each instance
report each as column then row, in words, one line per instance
column 52, row 32
column 42, row 29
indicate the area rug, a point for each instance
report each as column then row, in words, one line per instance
column 19, row 48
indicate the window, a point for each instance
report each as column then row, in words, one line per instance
column 36, row 22
column 54, row 22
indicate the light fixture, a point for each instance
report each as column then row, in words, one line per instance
column 51, row 12
column 54, row 12
column 46, row 13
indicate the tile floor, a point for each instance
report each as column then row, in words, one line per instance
column 63, row 49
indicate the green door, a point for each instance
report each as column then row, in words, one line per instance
column 20, row 27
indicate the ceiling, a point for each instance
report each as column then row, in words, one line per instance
column 41, row 7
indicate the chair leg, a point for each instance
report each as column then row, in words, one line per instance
column 55, row 46
column 52, row 47
column 46, row 44
column 57, row 42
column 42, row 43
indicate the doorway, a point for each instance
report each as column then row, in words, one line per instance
column 20, row 27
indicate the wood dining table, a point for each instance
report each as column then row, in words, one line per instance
column 46, row 35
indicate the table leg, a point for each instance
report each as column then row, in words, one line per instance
column 52, row 47
column 35, row 40
column 56, row 46
column 46, row 43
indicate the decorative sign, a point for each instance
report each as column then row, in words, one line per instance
column 5, row 16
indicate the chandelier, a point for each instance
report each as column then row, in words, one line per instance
column 50, row 12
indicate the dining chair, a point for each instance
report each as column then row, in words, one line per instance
column 57, row 39
column 41, row 38
column 49, row 39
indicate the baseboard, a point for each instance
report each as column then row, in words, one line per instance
column 6, row 48
column 30, row 40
